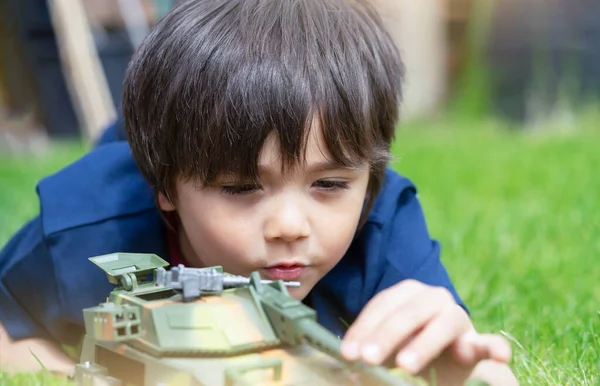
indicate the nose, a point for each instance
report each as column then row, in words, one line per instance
column 287, row 220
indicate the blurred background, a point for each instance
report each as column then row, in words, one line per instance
column 62, row 61
column 500, row 132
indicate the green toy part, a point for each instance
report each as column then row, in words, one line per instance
column 203, row 326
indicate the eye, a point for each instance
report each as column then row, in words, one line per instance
column 239, row 190
column 331, row 185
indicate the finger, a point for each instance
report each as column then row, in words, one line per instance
column 494, row 347
column 395, row 330
column 465, row 349
column 382, row 304
column 438, row 335
column 377, row 309
column 472, row 348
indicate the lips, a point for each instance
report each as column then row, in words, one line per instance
column 284, row 272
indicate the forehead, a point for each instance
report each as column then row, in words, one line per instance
column 315, row 150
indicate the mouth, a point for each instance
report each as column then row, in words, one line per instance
column 284, row 271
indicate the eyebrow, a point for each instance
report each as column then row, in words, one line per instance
column 318, row 167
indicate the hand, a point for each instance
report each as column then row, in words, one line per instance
column 17, row 356
column 417, row 323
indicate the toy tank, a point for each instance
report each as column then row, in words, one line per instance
column 192, row 327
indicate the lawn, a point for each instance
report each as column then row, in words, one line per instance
column 518, row 218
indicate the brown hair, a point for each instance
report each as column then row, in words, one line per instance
column 215, row 77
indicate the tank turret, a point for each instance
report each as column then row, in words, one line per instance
column 195, row 281
column 202, row 326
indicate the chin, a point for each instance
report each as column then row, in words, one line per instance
column 297, row 293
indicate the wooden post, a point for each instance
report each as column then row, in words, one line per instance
column 81, row 66
column 418, row 28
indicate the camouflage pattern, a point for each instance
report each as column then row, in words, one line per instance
column 254, row 333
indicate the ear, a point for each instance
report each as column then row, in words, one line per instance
column 164, row 203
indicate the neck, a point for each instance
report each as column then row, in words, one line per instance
column 180, row 248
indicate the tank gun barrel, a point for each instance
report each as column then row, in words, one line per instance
column 295, row 323
column 319, row 337
column 239, row 281
column 194, row 281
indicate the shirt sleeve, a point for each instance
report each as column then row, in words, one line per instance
column 99, row 204
column 47, row 280
column 411, row 252
column 27, row 282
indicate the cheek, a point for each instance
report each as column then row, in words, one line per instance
column 335, row 228
column 337, row 235
column 219, row 237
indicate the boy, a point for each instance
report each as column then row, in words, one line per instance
column 259, row 131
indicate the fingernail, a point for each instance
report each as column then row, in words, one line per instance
column 350, row 350
column 409, row 361
column 370, row 353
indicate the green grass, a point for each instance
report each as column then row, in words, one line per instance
column 19, row 174
column 518, row 218
column 33, row 379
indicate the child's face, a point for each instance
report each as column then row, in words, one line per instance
column 304, row 220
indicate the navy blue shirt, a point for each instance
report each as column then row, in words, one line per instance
column 101, row 204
